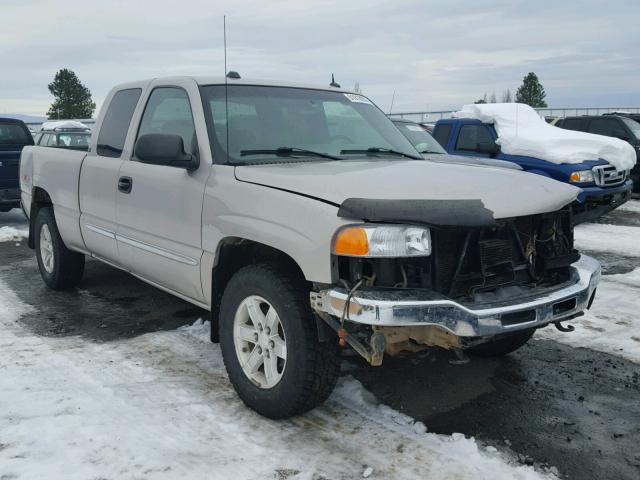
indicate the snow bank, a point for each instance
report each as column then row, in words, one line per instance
column 12, row 234
column 521, row 131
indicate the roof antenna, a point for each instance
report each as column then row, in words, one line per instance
column 226, row 87
column 333, row 82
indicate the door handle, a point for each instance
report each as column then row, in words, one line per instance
column 125, row 184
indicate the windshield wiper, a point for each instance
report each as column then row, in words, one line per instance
column 374, row 150
column 431, row 151
column 288, row 152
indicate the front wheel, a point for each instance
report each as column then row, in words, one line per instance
column 502, row 344
column 60, row 267
column 270, row 345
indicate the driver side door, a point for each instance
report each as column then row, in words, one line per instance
column 159, row 207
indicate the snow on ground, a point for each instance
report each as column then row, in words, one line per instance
column 159, row 406
column 608, row 238
column 613, row 324
column 12, row 234
column 631, row 206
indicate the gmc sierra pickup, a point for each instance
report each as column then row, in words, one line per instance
column 304, row 221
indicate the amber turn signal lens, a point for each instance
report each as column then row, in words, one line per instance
column 351, row 241
column 574, row 177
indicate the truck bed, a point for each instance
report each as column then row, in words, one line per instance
column 57, row 171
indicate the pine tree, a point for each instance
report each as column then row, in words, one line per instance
column 506, row 96
column 71, row 98
column 482, row 100
column 531, row 92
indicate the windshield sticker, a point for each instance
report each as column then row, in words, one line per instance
column 414, row 128
column 357, row 98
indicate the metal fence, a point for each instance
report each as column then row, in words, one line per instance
column 545, row 112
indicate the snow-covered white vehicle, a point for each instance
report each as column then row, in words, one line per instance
column 302, row 219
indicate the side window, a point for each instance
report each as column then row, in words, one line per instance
column 44, row 138
column 471, row 135
column 115, row 125
column 168, row 111
column 604, row 126
column 573, row 124
column 441, row 134
column 52, row 141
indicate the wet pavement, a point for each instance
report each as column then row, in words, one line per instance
column 575, row 409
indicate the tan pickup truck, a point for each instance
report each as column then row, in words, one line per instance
column 303, row 220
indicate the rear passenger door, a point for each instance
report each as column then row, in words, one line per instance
column 608, row 126
column 99, row 177
column 159, row 214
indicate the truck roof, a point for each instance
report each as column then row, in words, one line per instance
column 220, row 80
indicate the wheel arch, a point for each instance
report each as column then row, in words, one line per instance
column 235, row 253
column 40, row 198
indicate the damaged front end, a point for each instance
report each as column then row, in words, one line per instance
column 479, row 281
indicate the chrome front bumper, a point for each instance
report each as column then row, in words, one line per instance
column 518, row 308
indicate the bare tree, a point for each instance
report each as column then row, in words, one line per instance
column 506, row 96
column 493, row 97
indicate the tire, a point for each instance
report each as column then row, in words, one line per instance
column 60, row 267
column 502, row 344
column 307, row 374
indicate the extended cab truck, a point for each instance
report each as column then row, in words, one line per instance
column 14, row 136
column 602, row 189
column 302, row 218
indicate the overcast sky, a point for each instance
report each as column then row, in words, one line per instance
column 433, row 54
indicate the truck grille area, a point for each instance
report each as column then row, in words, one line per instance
column 521, row 251
column 534, row 250
column 608, row 176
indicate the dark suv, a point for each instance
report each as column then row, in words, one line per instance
column 14, row 135
column 619, row 126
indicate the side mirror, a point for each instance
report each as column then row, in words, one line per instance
column 489, row 148
column 165, row 149
column 621, row 134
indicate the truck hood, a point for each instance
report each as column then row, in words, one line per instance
column 507, row 193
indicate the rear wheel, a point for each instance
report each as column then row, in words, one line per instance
column 502, row 344
column 60, row 267
column 270, row 345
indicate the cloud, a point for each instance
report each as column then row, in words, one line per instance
column 433, row 54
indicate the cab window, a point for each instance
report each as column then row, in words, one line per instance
column 168, row 111
column 471, row 135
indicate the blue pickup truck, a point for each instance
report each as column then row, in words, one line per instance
column 14, row 135
column 603, row 187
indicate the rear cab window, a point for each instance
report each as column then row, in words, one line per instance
column 115, row 125
column 471, row 135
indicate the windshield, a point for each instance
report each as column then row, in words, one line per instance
column 14, row 134
column 419, row 138
column 280, row 124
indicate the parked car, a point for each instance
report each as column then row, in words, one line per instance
column 602, row 189
column 620, row 126
column 64, row 134
column 14, row 136
column 422, row 140
column 304, row 221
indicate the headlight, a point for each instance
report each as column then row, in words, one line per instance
column 382, row 241
column 581, row 176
